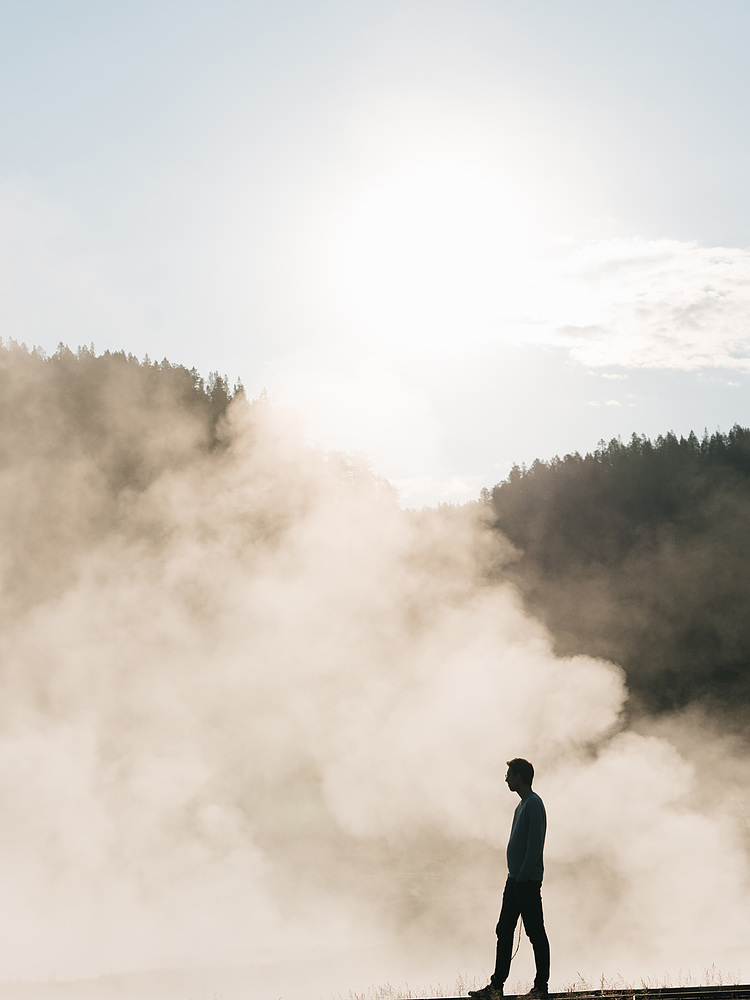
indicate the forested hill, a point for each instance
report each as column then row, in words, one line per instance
column 110, row 397
column 640, row 553
column 85, row 437
column 79, row 433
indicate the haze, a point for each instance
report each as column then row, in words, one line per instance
column 255, row 714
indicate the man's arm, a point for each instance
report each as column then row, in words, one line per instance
column 536, row 828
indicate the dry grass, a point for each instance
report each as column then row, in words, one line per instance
column 709, row 977
column 459, row 988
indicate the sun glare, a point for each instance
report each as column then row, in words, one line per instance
column 430, row 256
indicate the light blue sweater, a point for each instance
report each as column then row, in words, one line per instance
column 526, row 842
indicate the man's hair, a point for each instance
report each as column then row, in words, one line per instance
column 522, row 768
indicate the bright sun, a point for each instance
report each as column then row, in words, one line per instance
column 430, row 256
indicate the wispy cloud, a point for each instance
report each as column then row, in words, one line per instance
column 644, row 304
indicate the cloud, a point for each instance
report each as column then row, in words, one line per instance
column 640, row 303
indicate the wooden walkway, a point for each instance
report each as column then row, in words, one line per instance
column 640, row 993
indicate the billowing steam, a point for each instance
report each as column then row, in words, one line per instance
column 253, row 712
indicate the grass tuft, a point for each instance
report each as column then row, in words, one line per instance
column 460, row 988
column 709, row 977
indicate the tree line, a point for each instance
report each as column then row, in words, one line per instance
column 637, row 552
column 80, row 435
column 640, row 552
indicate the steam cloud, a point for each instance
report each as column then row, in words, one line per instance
column 253, row 712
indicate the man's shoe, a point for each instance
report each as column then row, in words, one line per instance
column 488, row 992
column 537, row 993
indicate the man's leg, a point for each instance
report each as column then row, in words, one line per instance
column 530, row 904
column 506, row 925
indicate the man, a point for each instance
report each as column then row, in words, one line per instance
column 522, row 896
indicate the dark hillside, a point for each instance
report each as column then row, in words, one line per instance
column 640, row 553
column 79, row 434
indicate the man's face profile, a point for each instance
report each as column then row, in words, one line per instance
column 512, row 780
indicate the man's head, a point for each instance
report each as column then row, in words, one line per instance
column 520, row 774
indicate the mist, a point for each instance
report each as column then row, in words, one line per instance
column 254, row 715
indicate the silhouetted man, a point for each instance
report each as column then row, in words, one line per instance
column 522, row 896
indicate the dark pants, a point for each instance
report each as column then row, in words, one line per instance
column 522, row 899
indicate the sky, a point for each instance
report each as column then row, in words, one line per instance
column 453, row 236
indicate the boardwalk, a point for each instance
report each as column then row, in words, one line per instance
column 665, row 993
